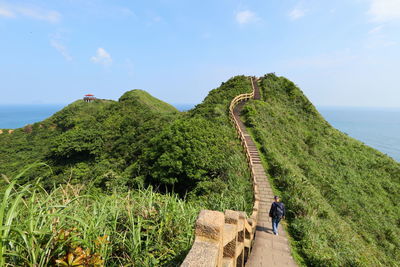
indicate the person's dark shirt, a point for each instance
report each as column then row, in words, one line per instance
column 277, row 207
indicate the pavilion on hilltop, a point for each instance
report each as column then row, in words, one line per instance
column 89, row 98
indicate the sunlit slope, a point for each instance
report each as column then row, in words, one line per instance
column 342, row 195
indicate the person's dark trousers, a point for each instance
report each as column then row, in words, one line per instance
column 275, row 223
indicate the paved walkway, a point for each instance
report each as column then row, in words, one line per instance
column 268, row 249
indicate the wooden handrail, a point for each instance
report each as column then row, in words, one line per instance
column 226, row 239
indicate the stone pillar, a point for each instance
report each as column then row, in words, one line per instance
column 207, row 250
column 232, row 247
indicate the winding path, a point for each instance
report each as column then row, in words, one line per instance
column 231, row 238
column 268, row 249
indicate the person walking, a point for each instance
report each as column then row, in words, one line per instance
column 277, row 212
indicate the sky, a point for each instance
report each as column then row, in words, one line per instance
column 340, row 53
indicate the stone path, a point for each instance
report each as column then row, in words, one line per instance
column 268, row 249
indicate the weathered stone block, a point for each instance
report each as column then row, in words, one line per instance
column 202, row 254
column 210, row 225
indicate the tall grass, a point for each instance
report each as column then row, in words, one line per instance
column 140, row 228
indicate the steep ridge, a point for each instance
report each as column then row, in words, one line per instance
column 215, row 244
column 342, row 196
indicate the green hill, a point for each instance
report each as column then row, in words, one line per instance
column 138, row 167
column 142, row 171
column 342, row 195
column 143, row 99
column 137, row 141
column 86, row 140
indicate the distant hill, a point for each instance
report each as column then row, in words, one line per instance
column 342, row 195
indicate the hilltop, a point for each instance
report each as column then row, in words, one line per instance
column 142, row 99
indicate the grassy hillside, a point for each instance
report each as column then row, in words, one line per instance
column 124, row 179
column 342, row 195
column 84, row 141
column 143, row 99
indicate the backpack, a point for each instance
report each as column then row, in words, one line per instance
column 278, row 210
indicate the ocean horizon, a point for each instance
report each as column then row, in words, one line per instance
column 376, row 127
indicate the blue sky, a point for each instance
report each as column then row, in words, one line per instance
column 341, row 53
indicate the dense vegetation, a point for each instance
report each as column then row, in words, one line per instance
column 342, row 195
column 87, row 141
column 121, row 182
column 138, row 170
column 71, row 227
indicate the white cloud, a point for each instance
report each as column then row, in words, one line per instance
column 101, row 57
column 384, row 10
column 157, row 18
column 5, row 12
column 379, row 43
column 60, row 47
column 246, row 16
column 32, row 12
column 376, row 30
column 378, row 39
column 153, row 19
column 205, row 35
column 328, row 60
column 40, row 14
column 126, row 11
column 297, row 13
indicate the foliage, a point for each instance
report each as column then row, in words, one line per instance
column 86, row 140
column 215, row 105
column 140, row 98
column 342, row 195
column 101, row 155
column 187, row 152
column 71, row 227
column 137, row 141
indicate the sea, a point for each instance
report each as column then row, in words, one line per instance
column 376, row 127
